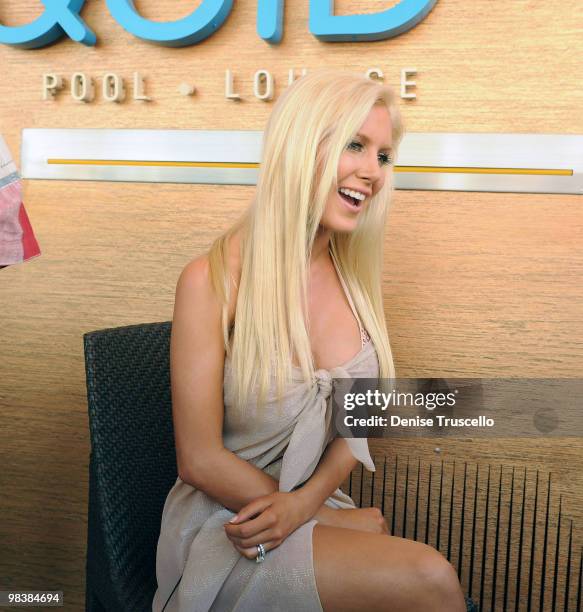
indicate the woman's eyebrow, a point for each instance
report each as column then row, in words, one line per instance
column 367, row 139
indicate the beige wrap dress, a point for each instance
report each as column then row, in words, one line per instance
column 197, row 567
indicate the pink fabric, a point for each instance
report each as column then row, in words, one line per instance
column 30, row 246
column 17, row 239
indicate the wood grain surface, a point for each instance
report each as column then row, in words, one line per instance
column 475, row 284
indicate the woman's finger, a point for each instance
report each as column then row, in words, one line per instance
column 252, row 508
column 266, row 535
column 251, row 552
column 249, row 528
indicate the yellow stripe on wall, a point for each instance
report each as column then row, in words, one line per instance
column 168, row 164
column 187, row 164
column 461, row 170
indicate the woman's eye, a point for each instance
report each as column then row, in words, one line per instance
column 385, row 159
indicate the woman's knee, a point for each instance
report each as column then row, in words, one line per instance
column 386, row 573
column 438, row 579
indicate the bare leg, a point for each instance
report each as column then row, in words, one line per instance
column 356, row 570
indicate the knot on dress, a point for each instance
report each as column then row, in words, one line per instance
column 312, row 430
column 324, row 382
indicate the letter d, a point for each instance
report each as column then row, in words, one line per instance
column 377, row 26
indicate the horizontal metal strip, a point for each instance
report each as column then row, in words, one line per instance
column 529, row 163
column 459, row 170
column 161, row 164
column 179, row 164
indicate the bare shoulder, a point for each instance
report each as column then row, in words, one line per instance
column 195, row 282
column 195, row 296
column 196, row 321
column 195, row 276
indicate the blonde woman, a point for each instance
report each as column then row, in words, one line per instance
column 285, row 301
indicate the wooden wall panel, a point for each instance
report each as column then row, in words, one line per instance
column 476, row 284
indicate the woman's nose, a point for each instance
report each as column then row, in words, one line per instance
column 369, row 167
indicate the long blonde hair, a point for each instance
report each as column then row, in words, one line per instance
column 309, row 128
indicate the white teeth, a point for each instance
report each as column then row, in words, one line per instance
column 353, row 194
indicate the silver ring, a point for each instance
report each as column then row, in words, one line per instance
column 260, row 553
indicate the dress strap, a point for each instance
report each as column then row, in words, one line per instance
column 364, row 337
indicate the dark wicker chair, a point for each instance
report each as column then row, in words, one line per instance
column 132, row 464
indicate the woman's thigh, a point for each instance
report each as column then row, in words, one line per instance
column 356, row 570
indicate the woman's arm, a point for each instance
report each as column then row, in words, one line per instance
column 302, row 504
column 197, row 370
column 336, row 463
column 334, row 466
column 270, row 519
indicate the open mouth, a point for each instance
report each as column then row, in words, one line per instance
column 354, row 203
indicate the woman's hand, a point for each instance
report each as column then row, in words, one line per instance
column 267, row 520
column 361, row 519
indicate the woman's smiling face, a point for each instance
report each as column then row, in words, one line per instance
column 362, row 170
